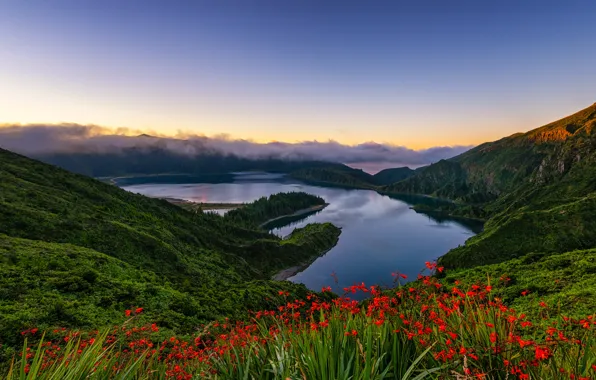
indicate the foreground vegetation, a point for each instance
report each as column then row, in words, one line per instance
column 566, row 281
column 422, row 330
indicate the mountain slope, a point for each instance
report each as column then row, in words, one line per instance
column 68, row 222
column 540, row 156
column 159, row 159
column 336, row 175
column 564, row 281
column 392, row 175
column 536, row 189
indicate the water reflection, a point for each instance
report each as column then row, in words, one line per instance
column 380, row 234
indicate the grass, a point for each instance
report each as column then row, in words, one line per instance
column 564, row 281
column 424, row 329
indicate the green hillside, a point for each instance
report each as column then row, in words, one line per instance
column 335, row 175
column 76, row 252
column 565, row 281
column 541, row 156
column 392, row 175
column 536, row 189
column 277, row 205
column 345, row 176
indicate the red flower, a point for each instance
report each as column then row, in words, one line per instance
column 542, row 353
column 138, row 310
column 127, row 312
column 493, row 337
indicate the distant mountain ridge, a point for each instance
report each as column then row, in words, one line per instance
column 392, row 175
column 153, row 160
column 158, row 159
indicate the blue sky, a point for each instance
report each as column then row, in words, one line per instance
column 411, row 73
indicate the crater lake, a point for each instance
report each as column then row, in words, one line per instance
column 380, row 235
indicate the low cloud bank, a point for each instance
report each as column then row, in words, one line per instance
column 38, row 140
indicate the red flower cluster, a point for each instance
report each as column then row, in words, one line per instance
column 137, row 311
column 470, row 331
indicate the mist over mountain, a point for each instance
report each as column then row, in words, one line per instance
column 40, row 140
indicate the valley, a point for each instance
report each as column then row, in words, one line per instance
column 380, row 234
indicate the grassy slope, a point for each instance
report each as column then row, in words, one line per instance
column 184, row 267
column 48, row 284
column 42, row 202
column 542, row 155
column 569, row 225
column 536, row 189
column 565, row 281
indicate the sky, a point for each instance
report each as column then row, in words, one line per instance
column 416, row 74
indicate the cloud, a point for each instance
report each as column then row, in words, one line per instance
column 37, row 140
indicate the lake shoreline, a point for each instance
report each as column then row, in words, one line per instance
column 380, row 233
column 186, row 204
column 286, row 273
column 204, row 206
column 297, row 213
column 283, row 275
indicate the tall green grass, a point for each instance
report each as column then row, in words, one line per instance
column 424, row 330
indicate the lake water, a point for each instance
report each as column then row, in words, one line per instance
column 380, row 235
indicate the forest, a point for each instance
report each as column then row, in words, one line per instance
column 274, row 206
